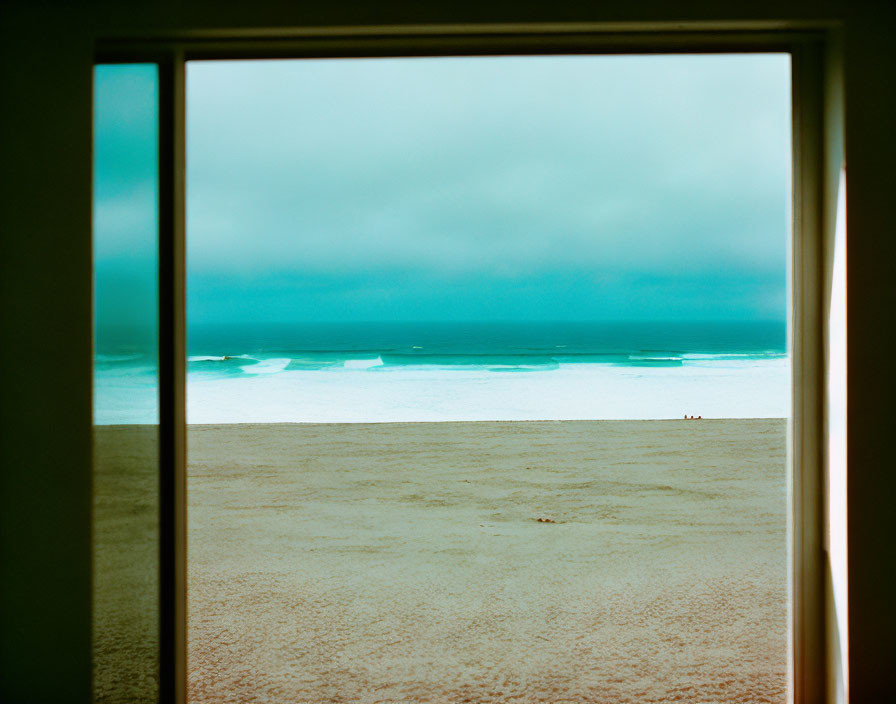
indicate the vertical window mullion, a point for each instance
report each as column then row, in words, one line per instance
column 807, row 349
column 172, row 377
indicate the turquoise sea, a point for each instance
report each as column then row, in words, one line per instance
column 450, row 370
column 502, row 346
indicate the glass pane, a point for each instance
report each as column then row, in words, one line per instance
column 126, row 384
column 488, row 379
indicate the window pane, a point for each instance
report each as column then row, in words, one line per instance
column 445, row 318
column 126, row 384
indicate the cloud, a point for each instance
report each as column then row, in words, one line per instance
column 354, row 187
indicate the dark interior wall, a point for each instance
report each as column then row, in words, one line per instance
column 870, row 104
column 45, row 361
column 45, row 357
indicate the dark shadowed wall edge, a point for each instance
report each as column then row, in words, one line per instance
column 870, row 101
column 46, row 359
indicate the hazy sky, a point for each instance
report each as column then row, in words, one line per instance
column 470, row 188
column 125, row 196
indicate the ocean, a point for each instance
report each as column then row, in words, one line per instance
column 425, row 371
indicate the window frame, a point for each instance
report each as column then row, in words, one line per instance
column 811, row 619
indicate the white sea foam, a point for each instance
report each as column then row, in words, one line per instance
column 366, row 391
column 728, row 389
column 267, row 366
column 363, row 363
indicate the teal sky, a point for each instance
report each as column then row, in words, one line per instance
column 567, row 188
column 125, row 195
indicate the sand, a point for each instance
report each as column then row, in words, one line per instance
column 407, row 562
column 125, row 564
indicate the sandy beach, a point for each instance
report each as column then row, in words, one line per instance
column 569, row 561
column 125, row 564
